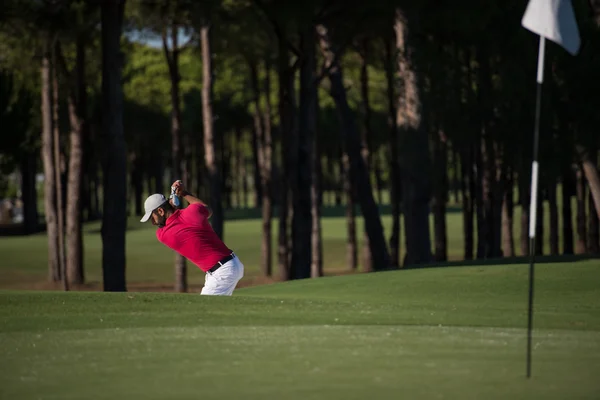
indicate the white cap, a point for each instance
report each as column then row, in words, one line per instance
column 152, row 203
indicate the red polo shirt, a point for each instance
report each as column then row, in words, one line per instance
column 189, row 233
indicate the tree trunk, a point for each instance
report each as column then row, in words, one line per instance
column 96, row 194
column 480, row 203
column 590, row 170
column 593, row 225
column 524, row 200
column 581, row 243
column 90, row 190
column 300, row 162
column 593, row 228
column 257, row 139
column 86, row 192
column 440, row 193
column 416, row 161
column 539, row 226
column 508, row 244
column 378, row 177
column 365, row 137
column 351, row 244
column 178, row 161
column 567, row 220
column 209, row 138
column 262, row 135
column 54, row 272
column 286, row 125
column 337, row 179
column 239, row 167
column 60, row 211
column 553, row 209
column 499, row 189
column 305, row 192
column 267, row 175
column 114, row 220
column 316, row 266
column 393, row 143
column 28, row 174
column 487, row 166
column 358, row 169
column 456, row 175
column 467, row 181
column 78, row 120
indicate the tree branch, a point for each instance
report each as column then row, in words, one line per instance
column 326, row 69
column 165, row 45
column 277, row 28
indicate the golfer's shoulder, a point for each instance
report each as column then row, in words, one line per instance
column 195, row 209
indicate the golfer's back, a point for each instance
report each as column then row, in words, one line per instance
column 189, row 233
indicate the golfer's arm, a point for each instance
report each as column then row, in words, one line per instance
column 194, row 200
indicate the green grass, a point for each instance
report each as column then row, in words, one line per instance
column 422, row 334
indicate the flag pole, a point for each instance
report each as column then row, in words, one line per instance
column 553, row 20
column 534, row 194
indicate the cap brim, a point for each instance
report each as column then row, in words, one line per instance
column 146, row 217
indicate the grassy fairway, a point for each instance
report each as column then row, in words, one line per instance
column 452, row 333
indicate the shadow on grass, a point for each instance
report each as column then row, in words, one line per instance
column 543, row 259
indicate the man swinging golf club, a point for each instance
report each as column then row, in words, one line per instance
column 188, row 232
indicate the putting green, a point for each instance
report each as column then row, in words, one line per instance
column 426, row 334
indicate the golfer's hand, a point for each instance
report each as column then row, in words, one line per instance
column 179, row 188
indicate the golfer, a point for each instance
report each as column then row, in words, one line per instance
column 188, row 232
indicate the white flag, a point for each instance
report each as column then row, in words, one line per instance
column 554, row 20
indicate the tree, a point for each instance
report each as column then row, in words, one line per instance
column 169, row 19
column 58, row 168
column 209, row 138
column 78, row 119
column 591, row 174
column 50, row 211
column 302, row 181
column 31, row 29
column 366, row 131
column 358, row 170
column 256, row 50
column 267, row 172
column 114, row 222
column 415, row 155
column 394, row 181
column 179, row 169
column 287, row 115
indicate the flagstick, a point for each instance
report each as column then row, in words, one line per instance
column 534, row 193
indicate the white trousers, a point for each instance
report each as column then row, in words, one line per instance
column 223, row 281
